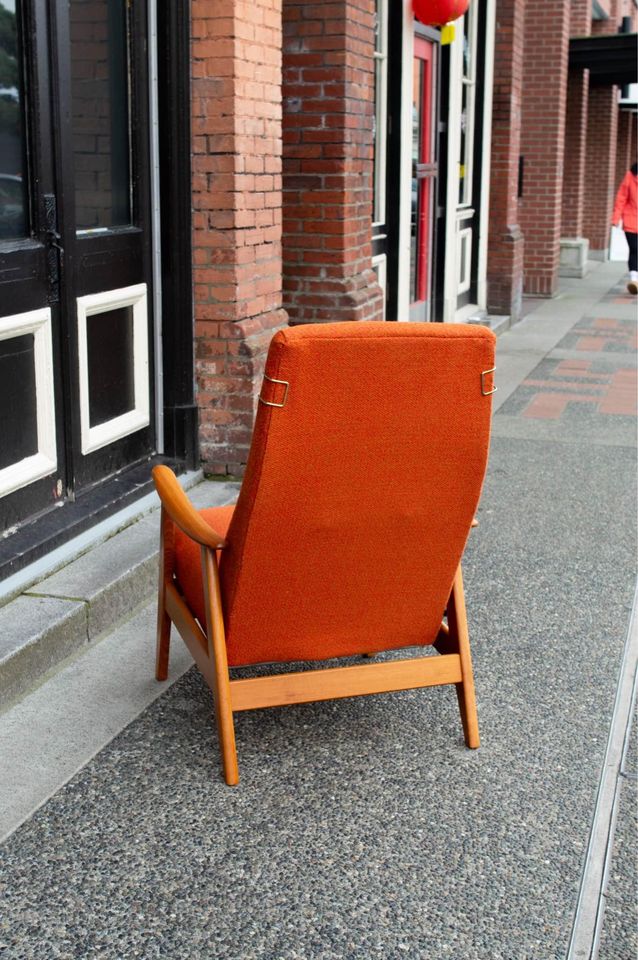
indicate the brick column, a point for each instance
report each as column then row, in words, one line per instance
column 600, row 186
column 236, row 129
column 328, row 90
column 505, row 242
column 624, row 156
column 543, row 140
column 573, row 246
column 575, row 153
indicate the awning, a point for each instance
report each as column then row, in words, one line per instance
column 610, row 58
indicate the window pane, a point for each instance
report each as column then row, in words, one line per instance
column 467, row 48
column 466, row 118
column 110, row 359
column 13, row 195
column 100, row 104
column 18, row 412
column 417, row 87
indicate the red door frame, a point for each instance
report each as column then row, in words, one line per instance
column 425, row 51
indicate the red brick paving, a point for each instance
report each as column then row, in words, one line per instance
column 590, row 344
column 615, row 394
column 550, row 406
column 598, row 332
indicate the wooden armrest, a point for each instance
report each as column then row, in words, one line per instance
column 181, row 510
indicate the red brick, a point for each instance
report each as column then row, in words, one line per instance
column 328, row 94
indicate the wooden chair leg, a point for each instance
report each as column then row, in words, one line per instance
column 163, row 641
column 163, row 619
column 219, row 661
column 459, row 637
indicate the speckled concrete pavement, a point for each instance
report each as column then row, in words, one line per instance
column 364, row 828
column 619, row 936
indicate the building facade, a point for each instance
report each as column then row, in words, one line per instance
column 563, row 134
column 180, row 180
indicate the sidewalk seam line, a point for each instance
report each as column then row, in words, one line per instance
column 584, row 940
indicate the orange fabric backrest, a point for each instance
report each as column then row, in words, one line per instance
column 359, row 492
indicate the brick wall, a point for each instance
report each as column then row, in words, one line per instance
column 573, row 199
column 602, row 135
column 328, row 90
column 547, row 28
column 575, row 154
column 580, row 18
column 236, row 171
column 505, row 243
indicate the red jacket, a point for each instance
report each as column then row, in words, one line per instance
column 626, row 206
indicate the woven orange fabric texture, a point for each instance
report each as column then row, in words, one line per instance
column 187, row 561
column 359, row 492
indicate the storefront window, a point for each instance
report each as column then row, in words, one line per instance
column 100, row 85
column 468, row 106
column 380, row 111
column 13, row 192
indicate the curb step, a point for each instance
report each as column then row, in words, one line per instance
column 92, row 594
column 495, row 322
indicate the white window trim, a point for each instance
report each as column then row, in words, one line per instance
column 381, row 117
column 488, row 87
column 380, row 265
column 450, row 286
column 453, row 209
column 470, row 83
column 405, row 166
column 93, row 438
column 44, row 462
column 464, row 237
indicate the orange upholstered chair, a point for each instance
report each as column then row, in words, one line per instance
column 366, row 466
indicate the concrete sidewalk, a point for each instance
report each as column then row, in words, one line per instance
column 364, row 828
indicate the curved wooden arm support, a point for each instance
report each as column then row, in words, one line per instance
column 182, row 512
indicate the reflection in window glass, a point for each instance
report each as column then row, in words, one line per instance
column 417, row 90
column 379, row 139
column 416, row 237
column 18, row 411
column 468, row 108
column 110, row 362
column 100, row 105
column 13, row 196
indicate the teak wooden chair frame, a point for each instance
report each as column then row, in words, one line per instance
column 453, row 665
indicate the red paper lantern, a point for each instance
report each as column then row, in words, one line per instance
column 434, row 13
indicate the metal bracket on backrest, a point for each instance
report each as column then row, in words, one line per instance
column 271, row 403
column 484, row 374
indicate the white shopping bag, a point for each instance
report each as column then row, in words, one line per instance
column 618, row 248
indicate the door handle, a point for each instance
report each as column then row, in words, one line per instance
column 52, row 239
column 55, row 250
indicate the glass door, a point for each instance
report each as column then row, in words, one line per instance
column 424, row 172
column 472, row 37
column 75, row 271
column 32, row 453
column 104, row 181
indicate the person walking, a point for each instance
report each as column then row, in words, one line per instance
column 626, row 210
